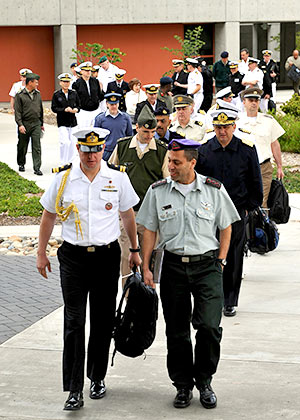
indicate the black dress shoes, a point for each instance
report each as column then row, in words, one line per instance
column 74, row 401
column 207, row 397
column 183, row 398
column 229, row 311
column 21, row 168
column 97, row 390
column 39, row 172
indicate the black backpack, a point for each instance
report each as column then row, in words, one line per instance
column 278, row 202
column 262, row 233
column 135, row 328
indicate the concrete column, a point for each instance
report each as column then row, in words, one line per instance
column 227, row 38
column 274, row 30
column 65, row 38
column 255, row 53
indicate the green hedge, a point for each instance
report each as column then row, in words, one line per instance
column 290, row 140
column 13, row 199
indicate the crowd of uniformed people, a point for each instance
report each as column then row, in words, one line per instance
column 156, row 166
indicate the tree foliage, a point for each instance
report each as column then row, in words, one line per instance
column 92, row 52
column 190, row 46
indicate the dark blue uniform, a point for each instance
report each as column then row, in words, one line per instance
column 237, row 167
column 113, row 87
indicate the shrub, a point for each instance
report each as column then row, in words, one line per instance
column 292, row 106
column 290, row 140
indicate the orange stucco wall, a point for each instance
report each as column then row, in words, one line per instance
column 142, row 44
column 30, row 47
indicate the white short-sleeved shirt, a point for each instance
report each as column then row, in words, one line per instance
column 107, row 76
column 195, row 78
column 98, row 204
column 256, row 74
column 16, row 88
column 265, row 130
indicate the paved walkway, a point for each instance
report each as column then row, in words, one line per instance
column 258, row 375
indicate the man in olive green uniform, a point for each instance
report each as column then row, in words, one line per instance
column 186, row 210
column 146, row 160
column 29, row 118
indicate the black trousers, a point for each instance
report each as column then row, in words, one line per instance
column 232, row 274
column 207, row 101
column 83, row 274
column 179, row 283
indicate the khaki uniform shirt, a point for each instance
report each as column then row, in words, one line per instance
column 265, row 130
column 194, row 130
column 187, row 223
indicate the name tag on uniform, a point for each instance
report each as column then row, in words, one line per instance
column 236, row 80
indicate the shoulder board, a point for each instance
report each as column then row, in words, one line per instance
column 161, row 143
column 200, row 123
column 268, row 116
column 248, row 142
column 209, row 130
column 61, row 168
column 212, row 107
column 159, row 183
column 185, row 71
column 201, row 111
column 203, row 141
column 120, row 168
column 213, row 182
column 124, row 139
column 244, row 131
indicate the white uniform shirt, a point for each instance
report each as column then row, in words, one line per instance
column 16, row 88
column 243, row 66
column 256, row 74
column 194, row 130
column 107, row 76
column 194, row 78
column 265, row 130
column 98, row 204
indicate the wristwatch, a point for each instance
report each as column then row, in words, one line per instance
column 222, row 261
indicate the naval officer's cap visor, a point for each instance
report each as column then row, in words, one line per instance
column 91, row 149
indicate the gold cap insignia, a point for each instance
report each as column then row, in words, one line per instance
column 255, row 92
column 180, row 99
column 222, row 117
column 164, row 112
column 146, row 125
column 92, row 138
column 113, row 98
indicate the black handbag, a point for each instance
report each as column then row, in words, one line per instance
column 278, row 203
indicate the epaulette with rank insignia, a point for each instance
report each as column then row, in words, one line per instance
column 209, row 130
column 121, row 168
column 201, row 111
column 244, row 131
column 213, row 182
column 159, row 183
column 199, row 123
column 268, row 116
column 248, row 142
column 61, row 168
column 124, row 138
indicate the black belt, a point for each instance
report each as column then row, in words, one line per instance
column 265, row 161
column 90, row 248
column 189, row 258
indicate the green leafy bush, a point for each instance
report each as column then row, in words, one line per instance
column 290, row 140
column 292, row 106
column 18, row 196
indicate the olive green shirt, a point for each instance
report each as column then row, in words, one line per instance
column 167, row 99
column 187, row 224
column 28, row 108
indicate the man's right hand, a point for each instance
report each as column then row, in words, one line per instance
column 148, row 277
column 22, row 129
column 42, row 263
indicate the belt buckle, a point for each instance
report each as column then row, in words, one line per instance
column 185, row 259
column 91, row 249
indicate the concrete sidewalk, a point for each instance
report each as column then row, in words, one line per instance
column 258, row 375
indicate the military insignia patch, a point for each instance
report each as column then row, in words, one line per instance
column 159, row 183
column 61, row 168
column 213, row 182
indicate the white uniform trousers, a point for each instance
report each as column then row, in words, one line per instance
column 67, row 144
column 198, row 99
